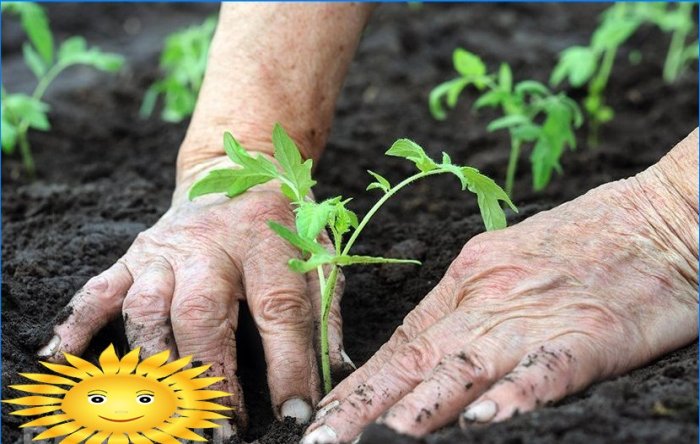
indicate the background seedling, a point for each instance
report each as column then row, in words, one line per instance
column 311, row 217
column 183, row 60
column 21, row 112
column 591, row 65
column 531, row 114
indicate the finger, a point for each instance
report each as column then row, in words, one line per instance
column 204, row 315
column 409, row 365
column 436, row 305
column 544, row 376
column 146, row 310
column 457, row 380
column 92, row 307
column 283, row 314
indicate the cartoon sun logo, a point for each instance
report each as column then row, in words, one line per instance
column 121, row 401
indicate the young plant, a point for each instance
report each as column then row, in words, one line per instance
column 184, row 60
column 311, row 217
column 591, row 65
column 21, row 112
column 531, row 114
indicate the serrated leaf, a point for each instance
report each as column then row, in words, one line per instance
column 467, row 63
column 74, row 51
column 448, row 91
column 531, row 87
column 305, row 245
column 230, row 181
column 254, row 165
column 489, row 195
column 312, row 217
column 381, row 182
column 577, row 64
column 342, row 218
column 298, row 172
column 505, row 77
column 33, row 60
column 36, row 25
column 507, row 122
column 26, row 108
column 410, row 150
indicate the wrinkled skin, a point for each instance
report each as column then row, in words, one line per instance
column 180, row 284
column 529, row 314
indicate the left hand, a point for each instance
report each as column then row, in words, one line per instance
column 529, row 314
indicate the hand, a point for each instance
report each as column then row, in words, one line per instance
column 532, row 313
column 180, row 284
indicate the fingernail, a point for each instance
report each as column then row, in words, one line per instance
column 324, row 411
column 322, row 435
column 51, row 348
column 298, row 409
column 347, row 360
column 482, row 412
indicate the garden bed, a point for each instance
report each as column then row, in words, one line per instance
column 104, row 175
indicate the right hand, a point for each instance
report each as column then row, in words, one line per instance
column 180, row 284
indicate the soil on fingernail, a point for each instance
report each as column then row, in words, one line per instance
column 104, row 175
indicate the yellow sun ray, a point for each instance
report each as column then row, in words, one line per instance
column 39, row 389
column 34, row 400
column 46, row 421
column 200, row 405
column 77, row 437
column 121, row 401
column 48, row 379
column 160, row 437
column 118, row 438
column 59, row 430
column 169, row 368
column 136, row 438
column 152, row 362
column 201, row 414
column 109, row 361
column 179, row 429
column 97, row 438
column 129, row 361
column 33, row 411
column 82, row 364
column 66, row 370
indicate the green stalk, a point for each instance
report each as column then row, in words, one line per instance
column 673, row 63
column 512, row 165
column 326, row 300
column 381, row 202
column 23, row 126
column 596, row 88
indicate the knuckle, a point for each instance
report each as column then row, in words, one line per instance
column 283, row 307
column 416, row 359
column 197, row 310
column 145, row 300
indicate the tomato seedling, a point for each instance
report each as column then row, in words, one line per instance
column 21, row 112
column 294, row 175
column 524, row 105
column 591, row 65
column 183, row 60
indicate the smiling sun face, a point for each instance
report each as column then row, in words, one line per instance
column 121, row 400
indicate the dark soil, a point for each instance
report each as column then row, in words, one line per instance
column 104, row 175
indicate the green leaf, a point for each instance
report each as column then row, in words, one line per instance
column 315, row 261
column 410, row 150
column 342, row 219
column 489, row 195
column 36, row 25
column 33, row 60
column 577, row 64
column 149, row 100
column 448, row 91
column 231, row 181
column 505, row 77
column 468, row 64
column 507, row 122
column 259, row 165
column 312, row 217
column 289, row 157
column 70, row 48
column 531, row 87
column 74, row 51
column 26, row 108
column 491, row 98
column 527, row 132
column 8, row 132
column 305, row 245
column 381, row 182
column 556, row 134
